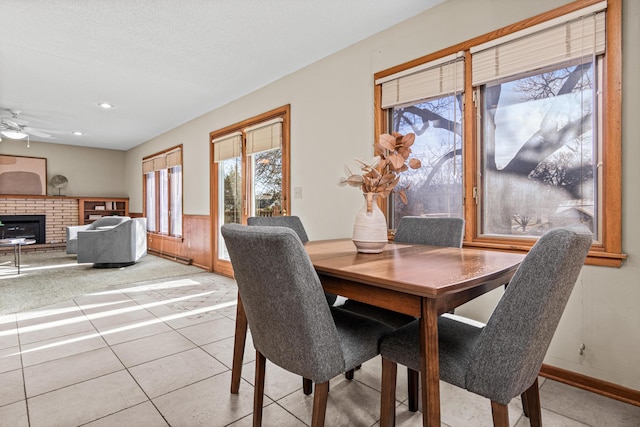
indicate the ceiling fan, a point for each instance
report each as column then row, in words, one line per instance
column 16, row 128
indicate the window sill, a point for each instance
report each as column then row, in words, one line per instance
column 596, row 256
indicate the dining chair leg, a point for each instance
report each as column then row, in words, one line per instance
column 413, row 388
column 525, row 404
column 320, row 404
column 349, row 374
column 258, row 393
column 307, row 386
column 500, row 414
column 531, row 401
column 239, row 341
column 388, row 394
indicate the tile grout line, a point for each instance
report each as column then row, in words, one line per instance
column 24, row 382
column 125, row 368
column 160, row 320
column 47, row 361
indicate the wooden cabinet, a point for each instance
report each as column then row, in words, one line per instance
column 90, row 209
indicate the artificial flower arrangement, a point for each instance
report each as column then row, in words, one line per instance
column 382, row 173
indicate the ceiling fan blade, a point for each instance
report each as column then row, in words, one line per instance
column 20, row 122
column 10, row 122
column 52, row 131
column 36, row 132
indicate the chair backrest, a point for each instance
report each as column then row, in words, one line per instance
column 292, row 222
column 108, row 221
column 430, row 231
column 512, row 346
column 291, row 325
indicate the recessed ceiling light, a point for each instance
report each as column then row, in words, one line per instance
column 78, row 133
column 105, row 105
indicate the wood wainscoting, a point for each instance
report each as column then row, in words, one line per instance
column 193, row 248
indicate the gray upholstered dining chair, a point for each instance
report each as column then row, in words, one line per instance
column 295, row 223
column 502, row 359
column 289, row 321
column 430, row 231
column 447, row 232
column 292, row 222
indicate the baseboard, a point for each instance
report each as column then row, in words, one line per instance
column 176, row 258
column 593, row 385
column 204, row 267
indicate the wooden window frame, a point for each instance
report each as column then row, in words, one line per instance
column 608, row 252
column 284, row 112
column 157, row 194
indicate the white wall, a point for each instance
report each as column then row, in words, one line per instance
column 90, row 171
column 332, row 122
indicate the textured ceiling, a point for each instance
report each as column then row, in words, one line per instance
column 163, row 62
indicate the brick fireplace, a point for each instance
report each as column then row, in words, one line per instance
column 59, row 212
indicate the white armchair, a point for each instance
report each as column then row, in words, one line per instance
column 72, row 231
column 114, row 246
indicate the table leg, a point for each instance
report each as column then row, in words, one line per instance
column 239, row 341
column 16, row 256
column 430, row 372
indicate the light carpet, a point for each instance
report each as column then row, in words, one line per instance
column 51, row 277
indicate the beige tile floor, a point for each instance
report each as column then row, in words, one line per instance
column 159, row 354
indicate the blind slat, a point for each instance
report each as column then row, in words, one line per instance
column 147, row 166
column 174, row 158
column 159, row 163
column 569, row 41
column 429, row 83
column 227, row 147
column 263, row 138
column 163, row 161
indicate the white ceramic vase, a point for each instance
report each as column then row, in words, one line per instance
column 370, row 226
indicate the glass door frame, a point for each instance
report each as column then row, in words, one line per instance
column 219, row 265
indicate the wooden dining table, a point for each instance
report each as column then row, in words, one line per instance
column 418, row 280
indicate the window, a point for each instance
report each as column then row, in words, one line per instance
column 538, row 147
column 228, row 158
column 163, row 192
column 528, row 141
column 250, row 173
column 427, row 101
column 264, row 152
column 539, row 121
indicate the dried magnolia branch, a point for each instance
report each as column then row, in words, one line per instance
column 382, row 173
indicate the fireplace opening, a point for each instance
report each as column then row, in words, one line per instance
column 23, row 226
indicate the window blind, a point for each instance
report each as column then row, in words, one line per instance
column 264, row 136
column 430, row 80
column 154, row 164
column 162, row 161
column 227, row 147
column 147, row 166
column 540, row 47
column 174, row 158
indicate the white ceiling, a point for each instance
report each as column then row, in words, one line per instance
column 162, row 63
